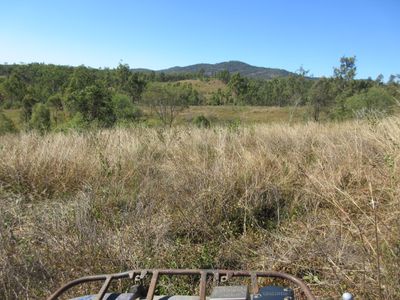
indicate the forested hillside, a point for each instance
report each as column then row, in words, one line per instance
column 242, row 68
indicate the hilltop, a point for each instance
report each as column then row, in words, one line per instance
column 231, row 66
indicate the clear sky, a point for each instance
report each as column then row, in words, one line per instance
column 160, row 34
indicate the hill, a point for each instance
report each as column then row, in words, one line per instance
column 231, row 66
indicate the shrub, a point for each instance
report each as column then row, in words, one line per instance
column 201, row 122
column 94, row 103
column 27, row 105
column 6, row 125
column 124, row 109
column 76, row 123
column 234, row 125
column 167, row 101
column 40, row 117
column 375, row 100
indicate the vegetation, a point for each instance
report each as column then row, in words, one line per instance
column 201, row 122
column 221, row 70
column 167, row 101
column 374, row 100
column 318, row 201
column 6, row 125
column 105, row 97
column 40, row 118
column 124, row 109
column 94, row 188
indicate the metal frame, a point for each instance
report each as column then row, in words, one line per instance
column 222, row 275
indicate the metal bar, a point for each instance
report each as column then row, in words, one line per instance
column 228, row 273
column 86, row 279
column 254, row 283
column 152, row 287
column 104, row 288
column 203, row 282
column 73, row 283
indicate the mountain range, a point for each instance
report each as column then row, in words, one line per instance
column 231, row 66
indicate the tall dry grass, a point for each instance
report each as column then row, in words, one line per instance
column 318, row 201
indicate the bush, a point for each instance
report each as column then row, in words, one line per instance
column 375, row 100
column 234, row 125
column 167, row 101
column 124, row 109
column 8, row 104
column 6, row 125
column 201, row 122
column 94, row 103
column 40, row 117
column 76, row 123
column 27, row 105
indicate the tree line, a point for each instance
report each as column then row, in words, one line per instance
column 47, row 94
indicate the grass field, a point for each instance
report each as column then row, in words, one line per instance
column 318, row 201
column 246, row 114
column 218, row 115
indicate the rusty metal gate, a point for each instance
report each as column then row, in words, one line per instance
column 204, row 275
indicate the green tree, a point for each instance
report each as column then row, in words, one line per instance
column 201, row 74
column 238, row 86
column 124, row 109
column 347, row 69
column 135, row 87
column 40, row 117
column 167, row 101
column 219, row 98
column 94, row 103
column 224, row 76
column 375, row 100
column 122, row 72
column 344, row 77
column 130, row 83
column 27, row 105
column 320, row 97
column 300, row 87
column 56, row 103
column 379, row 79
column 81, row 78
column 392, row 79
column 14, row 89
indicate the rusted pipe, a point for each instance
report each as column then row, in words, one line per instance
column 203, row 280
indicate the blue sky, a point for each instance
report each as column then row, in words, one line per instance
column 160, row 34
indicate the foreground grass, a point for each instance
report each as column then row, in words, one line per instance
column 318, row 201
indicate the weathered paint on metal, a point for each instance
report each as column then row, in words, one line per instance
column 204, row 274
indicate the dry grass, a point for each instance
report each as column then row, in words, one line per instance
column 218, row 115
column 246, row 114
column 318, row 201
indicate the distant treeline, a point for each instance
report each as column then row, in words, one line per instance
column 109, row 95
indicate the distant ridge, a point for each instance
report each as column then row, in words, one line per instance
column 231, row 66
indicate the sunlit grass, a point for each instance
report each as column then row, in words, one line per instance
column 300, row 199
